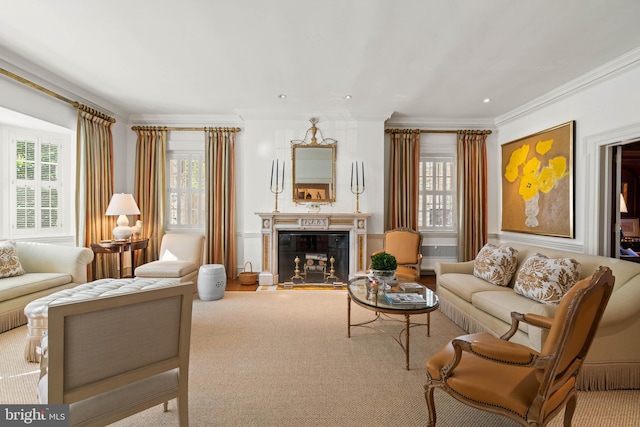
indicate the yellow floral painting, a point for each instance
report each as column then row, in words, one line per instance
column 537, row 183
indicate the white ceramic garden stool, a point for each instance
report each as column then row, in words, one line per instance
column 212, row 281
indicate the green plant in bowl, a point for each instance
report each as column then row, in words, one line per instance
column 383, row 261
column 384, row 267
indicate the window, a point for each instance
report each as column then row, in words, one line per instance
column 186, row 200
column 437, row 193
column 37, row 183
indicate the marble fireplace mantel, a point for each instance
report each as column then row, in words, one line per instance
column 354, row 223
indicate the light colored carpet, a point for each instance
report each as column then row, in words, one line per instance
column 284, row 359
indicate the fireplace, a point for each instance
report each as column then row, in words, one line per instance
column 321, row 235
column 322, row 256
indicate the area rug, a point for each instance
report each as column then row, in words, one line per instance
column 284, row 359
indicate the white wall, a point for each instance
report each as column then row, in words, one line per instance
column 262, row 141
column 605, row 110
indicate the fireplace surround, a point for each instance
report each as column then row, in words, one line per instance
column 354, row 224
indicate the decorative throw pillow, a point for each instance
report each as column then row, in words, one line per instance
column 547, row 280
column 496, row 264
column 9, row 262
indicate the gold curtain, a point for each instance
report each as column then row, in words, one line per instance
column 403, row 179
column 472, row 193
column 94, row 184
column 221, row 203
column 151, row 148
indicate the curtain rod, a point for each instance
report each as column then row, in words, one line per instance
column 478, row 132
column 75, row 104
column 204, row 129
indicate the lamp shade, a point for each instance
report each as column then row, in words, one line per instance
column 122, row 204
column 623, row 205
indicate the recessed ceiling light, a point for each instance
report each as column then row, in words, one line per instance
column 486, row 100
column 347, row 97
column 282, row 96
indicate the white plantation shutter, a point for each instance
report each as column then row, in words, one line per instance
column 437, row 193
column 186, row 190
column 36, row 184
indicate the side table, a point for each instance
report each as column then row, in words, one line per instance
column 119, row 248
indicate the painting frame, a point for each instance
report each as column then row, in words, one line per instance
column 537, row 174
column 630, row 227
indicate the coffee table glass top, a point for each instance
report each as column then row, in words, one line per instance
column 363, row 291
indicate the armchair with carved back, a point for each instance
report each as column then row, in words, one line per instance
column 530, row 387
column 406, row 245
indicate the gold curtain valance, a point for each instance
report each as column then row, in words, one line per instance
column 202, row 129
column 470, row 132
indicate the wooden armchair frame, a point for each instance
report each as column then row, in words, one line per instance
column 111, row 357
column 530, row 387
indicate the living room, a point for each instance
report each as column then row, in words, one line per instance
column 594, row 64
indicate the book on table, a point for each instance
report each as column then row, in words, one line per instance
column 404, row 298
column 412, row 287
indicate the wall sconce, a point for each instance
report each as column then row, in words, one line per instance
column 122, row 205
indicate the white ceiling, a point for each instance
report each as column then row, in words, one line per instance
column 415, row 59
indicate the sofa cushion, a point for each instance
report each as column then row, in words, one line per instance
column 465, row 285
column 29, row 283
column 9, row 263
column 496, row 264
column 545, row 279
column 501, row 304
column 166, row 269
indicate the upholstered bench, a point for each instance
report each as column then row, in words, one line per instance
column 36, row 310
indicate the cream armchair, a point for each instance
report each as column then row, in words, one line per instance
column 181, row 256
column 111, row 357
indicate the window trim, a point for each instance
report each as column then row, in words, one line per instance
column 65, row 170
column 432, row 156
column 189, row 153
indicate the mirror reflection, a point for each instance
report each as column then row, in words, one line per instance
column 313, row 173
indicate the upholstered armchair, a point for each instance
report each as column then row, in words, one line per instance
column 111, row 357
column 180, row 257
column 406, row 245
column 530, row 387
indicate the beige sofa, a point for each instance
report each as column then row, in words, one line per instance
column 613, row 362
column 48, row 268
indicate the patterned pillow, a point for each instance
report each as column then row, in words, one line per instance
column 547, row 280
column 496, row 264
column 9, row 262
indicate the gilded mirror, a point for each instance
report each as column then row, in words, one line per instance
column 314, row 168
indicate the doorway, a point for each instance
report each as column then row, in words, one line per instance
column 629, row 204
column 624, row 206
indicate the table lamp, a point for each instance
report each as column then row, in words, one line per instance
column 122, row 205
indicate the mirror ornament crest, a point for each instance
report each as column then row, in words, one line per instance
column 314, row 167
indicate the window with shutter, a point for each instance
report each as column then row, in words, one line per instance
column 437, row 193
column 186, row 190
column 36, row 183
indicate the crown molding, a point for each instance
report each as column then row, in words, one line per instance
column 441, row 124
column 19, row 65
column 186, row 120
column 608, row 70
column 333, row 115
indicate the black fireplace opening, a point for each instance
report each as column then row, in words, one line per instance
column 315, row 251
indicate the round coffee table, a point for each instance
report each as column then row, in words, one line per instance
column 361, row 291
